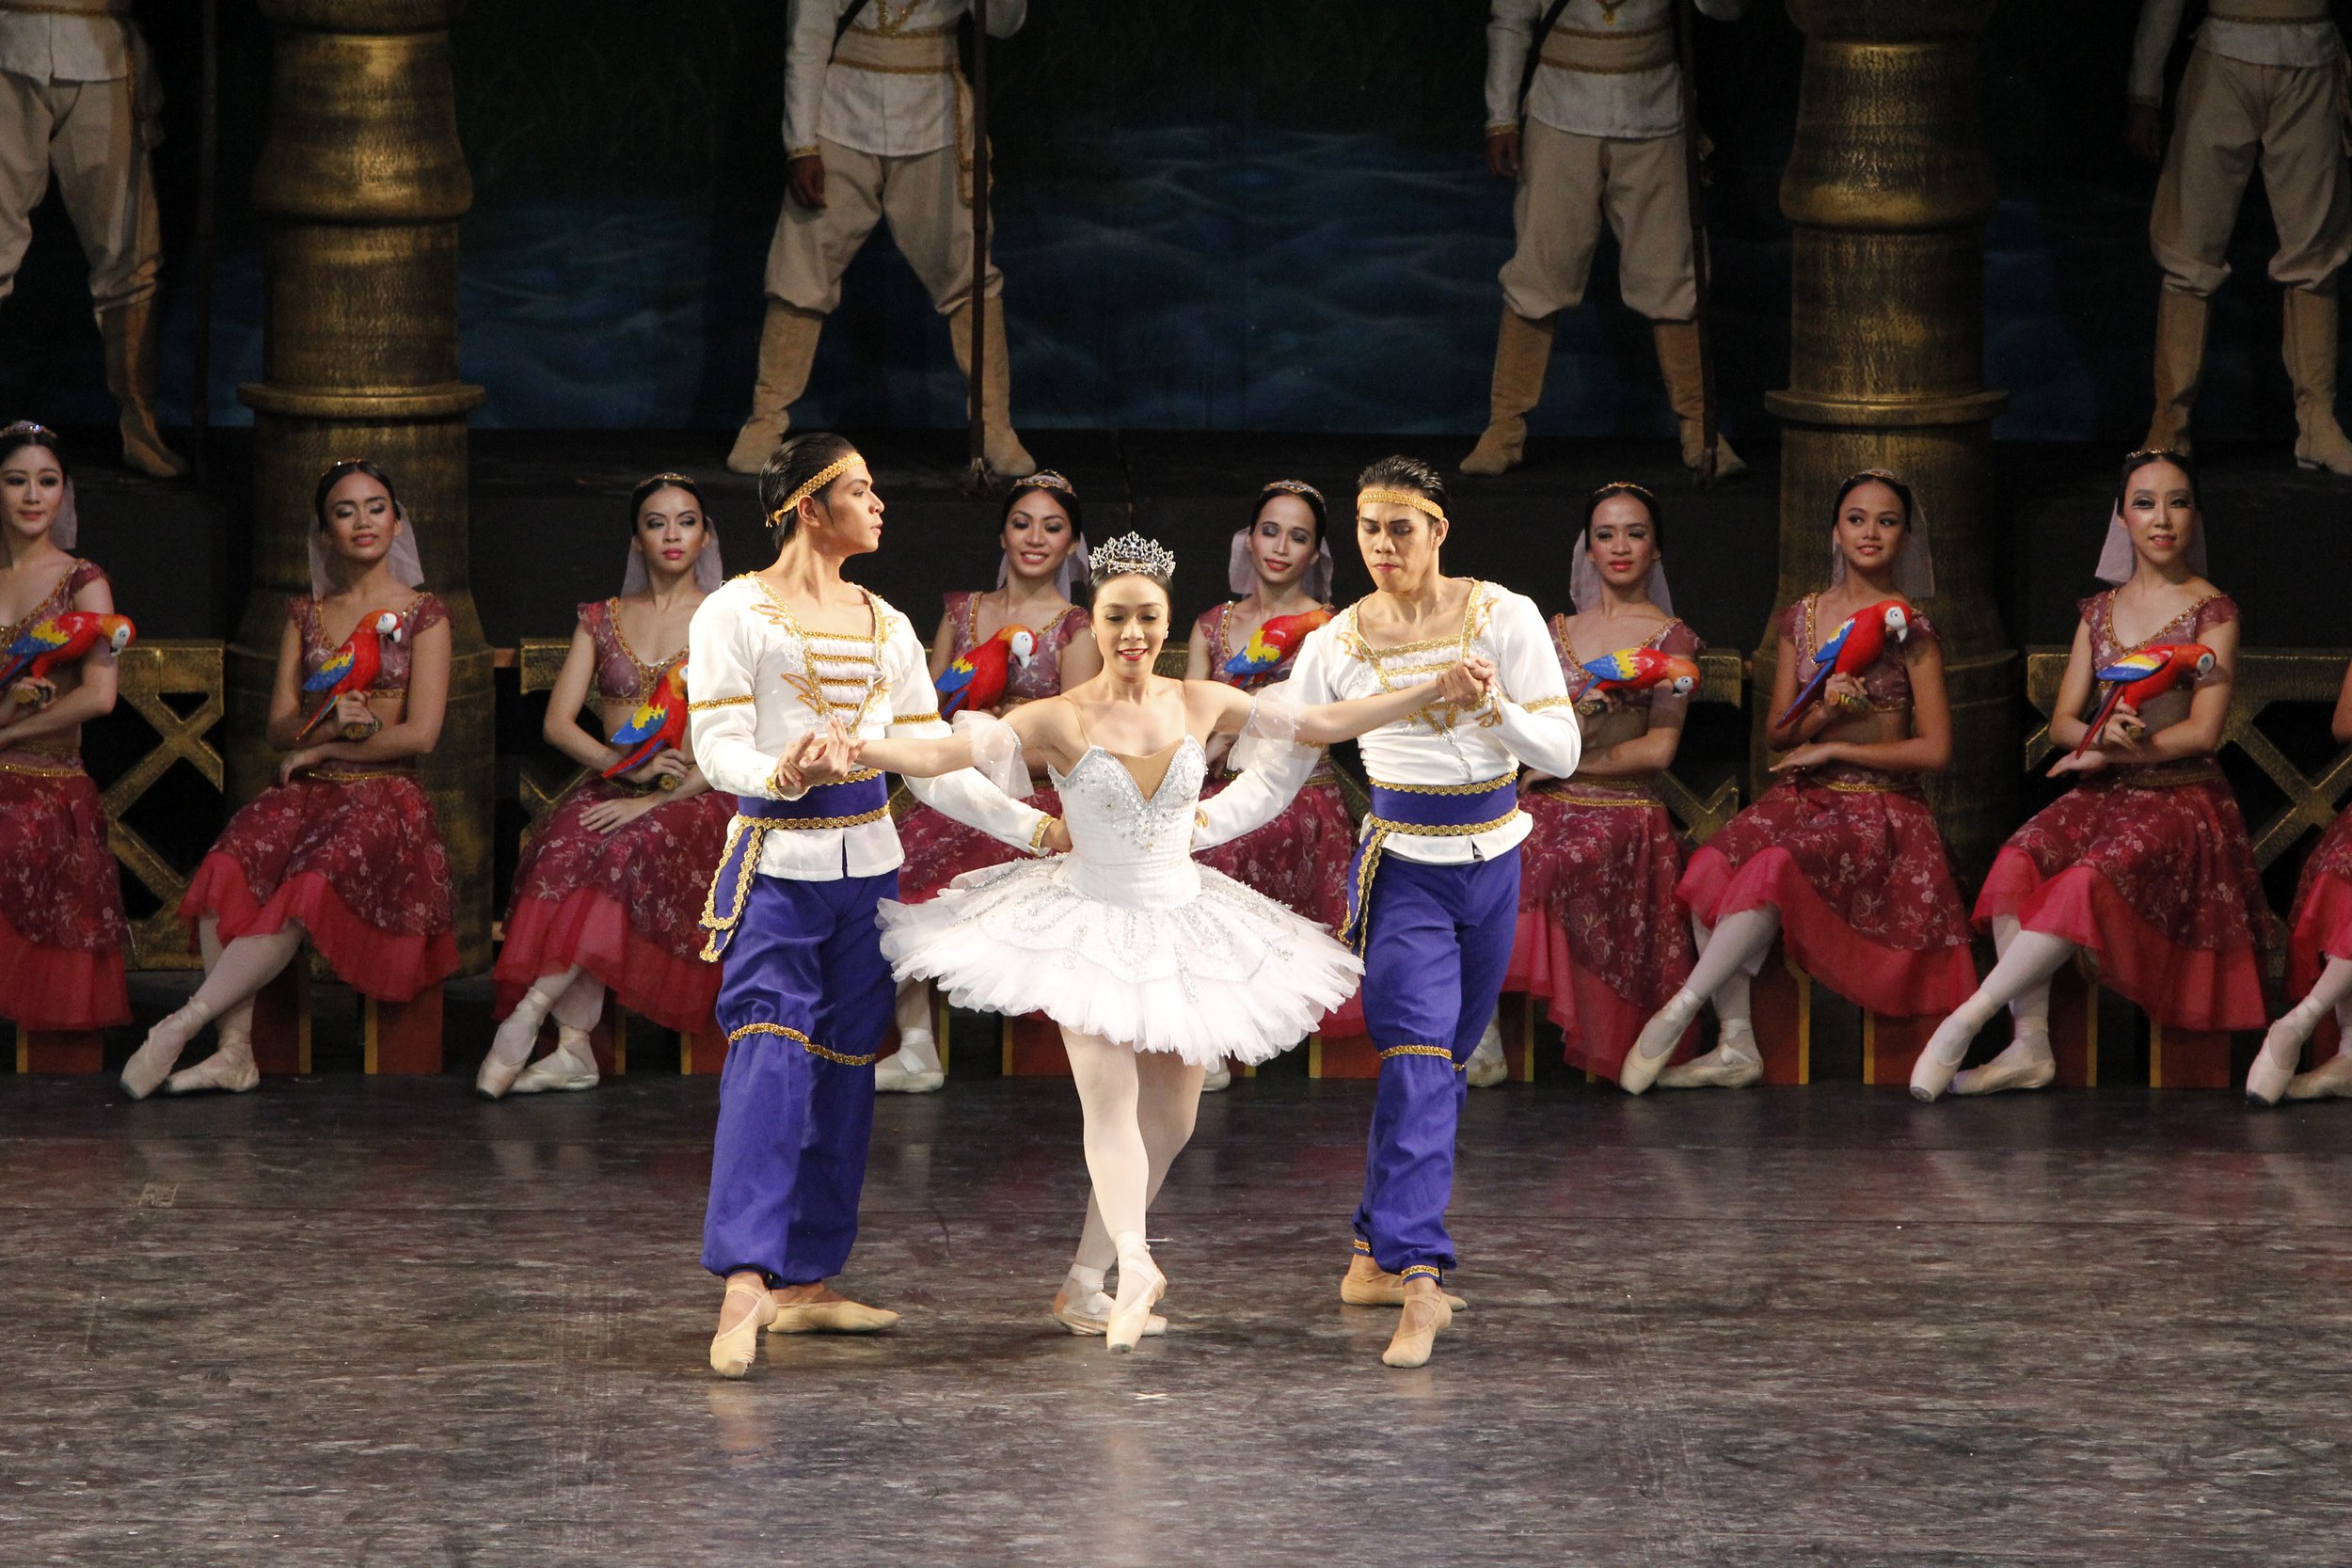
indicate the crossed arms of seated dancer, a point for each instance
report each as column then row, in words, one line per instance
column 1051, row 728
column 1843, row 727
column 412, row 731
column 2126, row 741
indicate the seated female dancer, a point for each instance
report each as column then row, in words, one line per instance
column 2145, row 863
column 1044, row 543
column 343, row 851
column 1282, row 567
column 61, row 925
column 1154, row 966
column 1842, row 858
column 609, row 895
column 2319, row 963
column 1602, row 936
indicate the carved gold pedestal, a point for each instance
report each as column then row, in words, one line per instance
column 1889, row 187
column 362, row 182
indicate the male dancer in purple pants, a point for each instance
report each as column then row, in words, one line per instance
column 1434, row 893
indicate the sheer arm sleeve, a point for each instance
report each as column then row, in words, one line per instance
column 964, row 795
column 721, row 717
column 1532, row 707
column 1258, row 795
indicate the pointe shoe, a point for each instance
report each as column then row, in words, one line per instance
column 1656, row 1040
column 1488, row 1065
column 2330, row 1080
column 1218, row 1078
column 571, row 1066
column 732, row 1349
column 496, row 1077
column 230, row 1069
column 904, row 1072
column 152, row 1063
column 1366, row 1284
column 837, row 1316
column 1945, row 1050
column 1140, row 1284
column 1089, row 1315
column 2273, row 1072
column 2024, row 1063
column 1727, row 1067
column 1425, row 1313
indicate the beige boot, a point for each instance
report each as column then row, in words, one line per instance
column 1686, row 393
column 1006, row 458
column 132, row 337
column 1523, row 353
column 2311, row 355
column 787, row 347
column 2180, row 363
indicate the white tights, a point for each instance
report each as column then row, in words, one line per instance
column 234, row 974
column 1139, row 1108
column 1728, row 954
column 574, row 997
column 2020, row 981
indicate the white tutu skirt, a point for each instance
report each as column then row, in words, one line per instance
column 1224, row 973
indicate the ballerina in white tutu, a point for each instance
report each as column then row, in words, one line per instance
column 1156, row 968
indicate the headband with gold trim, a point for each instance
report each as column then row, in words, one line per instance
column 1413, row 498
column 1046, row 478
column 823, row 477
column 1623, row 487
column 1296, row 487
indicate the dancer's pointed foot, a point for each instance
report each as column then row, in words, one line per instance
column 1657, row 1039
column 748, row 1308
column 2330, row 1080
column 1488, row 1065
column 1140, row 1284
column 1087, row 1314
column 230, row 1069
column 820, row 1310
column 2273, row 1072
column 2024, row 1063
column 1426, row 1314
column 152, row 1063
column 1945, row 1050
column 1218, row 1077
column 496, row 1077
column 1366, row 1284
column 1729, row 1066
column 570, row 1067
column 913, row 1068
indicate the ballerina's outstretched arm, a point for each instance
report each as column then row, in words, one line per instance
column 1271, row 715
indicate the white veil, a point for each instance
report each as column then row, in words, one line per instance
column 403, row 563
column 1914, row 563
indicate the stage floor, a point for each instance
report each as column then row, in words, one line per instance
column 345, row 1321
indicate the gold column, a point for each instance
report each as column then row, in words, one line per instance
column 360, row 185
column 1888, row 188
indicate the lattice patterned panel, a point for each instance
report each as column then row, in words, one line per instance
column 538, row 661
column 149, row 671
column 2264, row 677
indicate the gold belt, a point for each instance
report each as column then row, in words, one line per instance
column 1610, row 54
column 2149, row 778
column 929, row 53
column 65, row 768
column 1569, row 793
column 2277, row 13
column 354, row 772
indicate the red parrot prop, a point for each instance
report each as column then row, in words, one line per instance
column 1273, row 643
column 355, row 666
column 976, row 682
column 62, row 640
column 2136, row 679
column 660, row 720
column 1639, row 669
column 1856, row 645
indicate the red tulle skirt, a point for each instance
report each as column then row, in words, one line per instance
column 2158, row 880
column 939, row 848
column 627, row 906
column 2323, row 909
column 1869, row 902
column 62, row 931
column 357, row 859
column 1300, row 859
column 1602, row 939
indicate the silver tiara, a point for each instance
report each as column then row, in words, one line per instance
column 1131, row 554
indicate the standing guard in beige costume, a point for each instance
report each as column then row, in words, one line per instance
column 877, row 121
column 78, row 99
column 2265, row 83
column 1603, row 139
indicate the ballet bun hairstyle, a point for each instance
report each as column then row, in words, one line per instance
column 1298, row 489
column 1044, row 482
column 658, row 483
column 343, row 468
column 1874, row 476
column 2140, row 459
column 803, row 467
column 1649, row 503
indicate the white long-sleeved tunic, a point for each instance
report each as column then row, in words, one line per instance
column 1633, row 106
column 2304, row 44
column 757, row 682
column 899, row 112
column 1530, row 722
